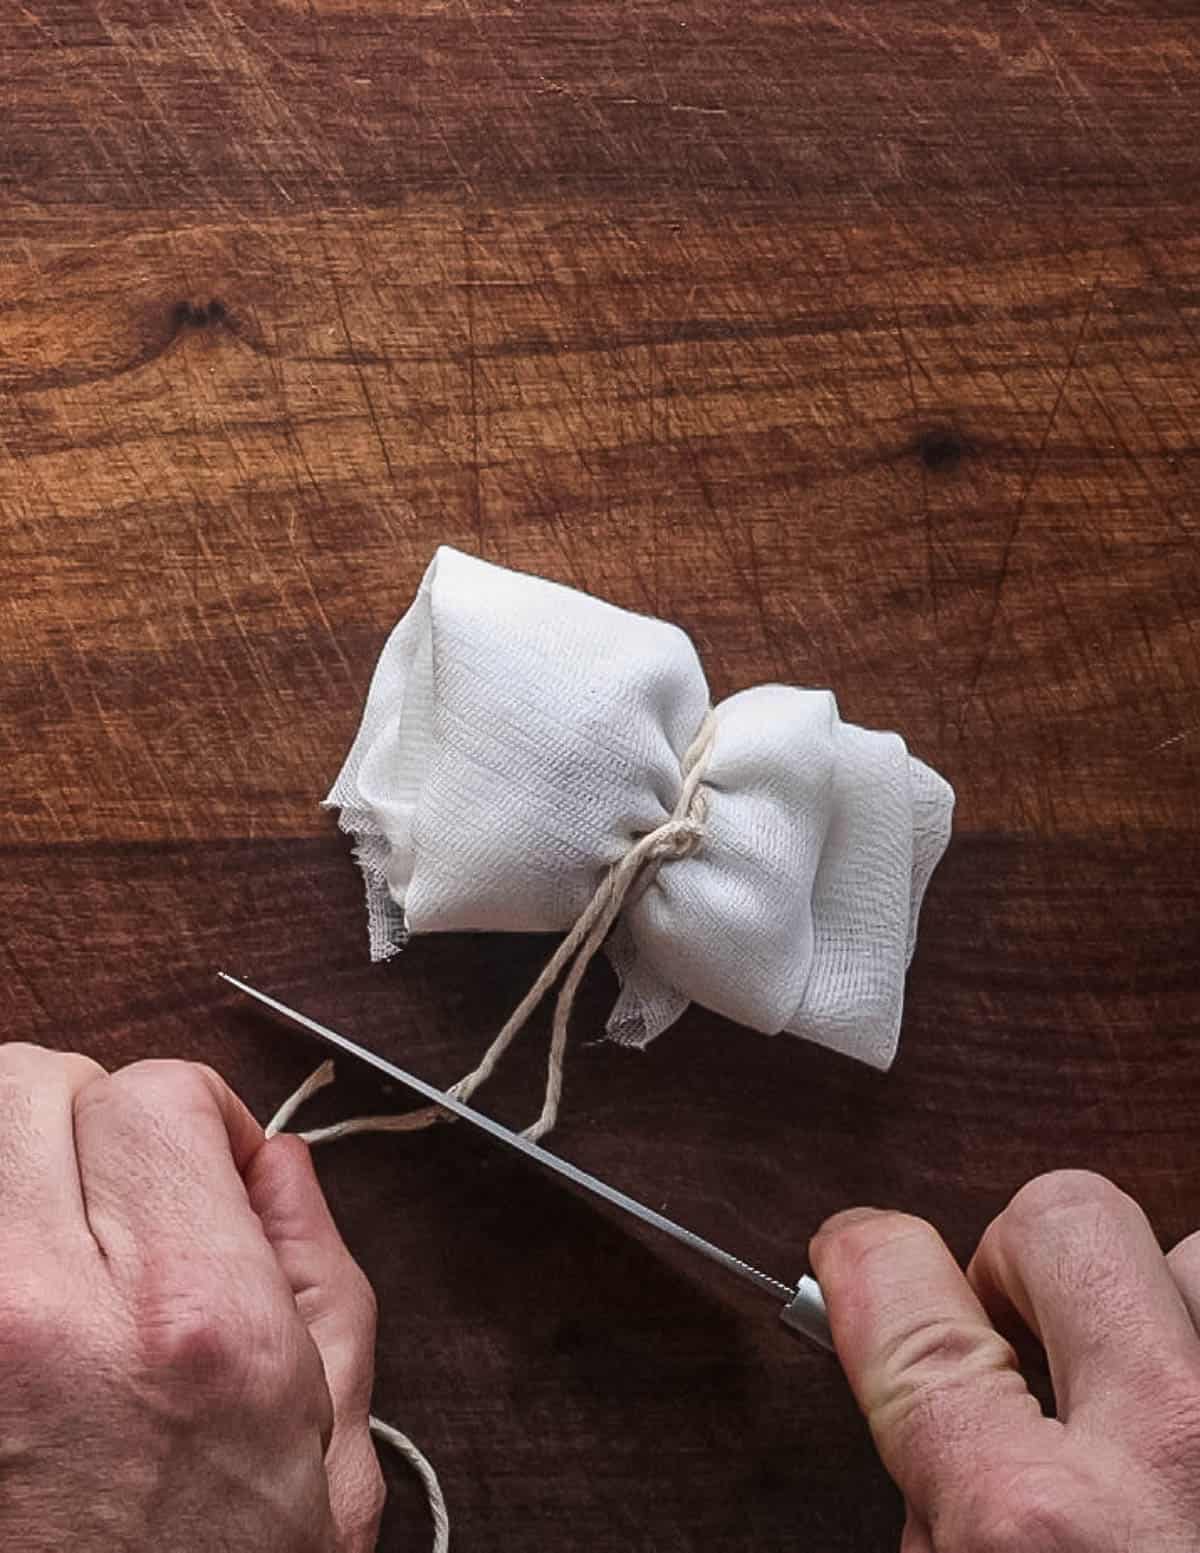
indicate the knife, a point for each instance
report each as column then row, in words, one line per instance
column 803, row 1309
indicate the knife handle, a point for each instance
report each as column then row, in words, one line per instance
column 805, row 1313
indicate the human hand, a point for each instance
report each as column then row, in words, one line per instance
column 186, row 1347
column 982, row 1469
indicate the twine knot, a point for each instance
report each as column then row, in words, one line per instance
column 678, row 839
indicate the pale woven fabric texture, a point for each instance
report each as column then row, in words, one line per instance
column 520, row 736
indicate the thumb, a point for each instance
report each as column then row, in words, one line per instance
column 939, row 1385
column 337, row 1305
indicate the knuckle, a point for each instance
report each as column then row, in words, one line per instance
column 949, row 1345
column 160, row 1087
column 185, row 1082
column 45, row 1341
column 1065, row 1193
column 18, row 1056
column 1038, row 1512
column 1076, row 1214
column 923, row 1378
column 29, row 1327
column 1184, row 1258
column 83, row 1069
column 188, row 1334
column 21, row 1061
column 202, row 1347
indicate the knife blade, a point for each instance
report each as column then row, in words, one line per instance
column 804, row 1308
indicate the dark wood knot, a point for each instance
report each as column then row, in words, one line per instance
column 941, row 449
column 187, row 315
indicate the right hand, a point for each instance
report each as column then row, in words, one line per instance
column 186, row 1348
column 982, row 1469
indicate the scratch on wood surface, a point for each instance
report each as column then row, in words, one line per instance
column 1136, row 462
column 855, row 24
column 322, row 614
column 354, row 356
column 927, row 516
column 218, row 571
column 1175, row 738
column 27, row 981
column 298, row 453
column 1052, row 60
column 472, row 396
column 1014, row 528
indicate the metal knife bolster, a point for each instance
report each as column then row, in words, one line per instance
column 805, row 1312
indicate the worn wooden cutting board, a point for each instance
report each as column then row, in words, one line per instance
column 864, row 342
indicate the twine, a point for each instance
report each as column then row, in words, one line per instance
column 388, row 1433
column 421, row 1466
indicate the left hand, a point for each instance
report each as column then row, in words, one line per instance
column 186, row 1347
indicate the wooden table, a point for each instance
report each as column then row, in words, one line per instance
column 862, row 341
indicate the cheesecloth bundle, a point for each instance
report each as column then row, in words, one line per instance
column 520, row 737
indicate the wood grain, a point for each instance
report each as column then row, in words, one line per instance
column 863, row 341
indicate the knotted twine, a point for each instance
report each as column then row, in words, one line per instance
column 677, row 837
